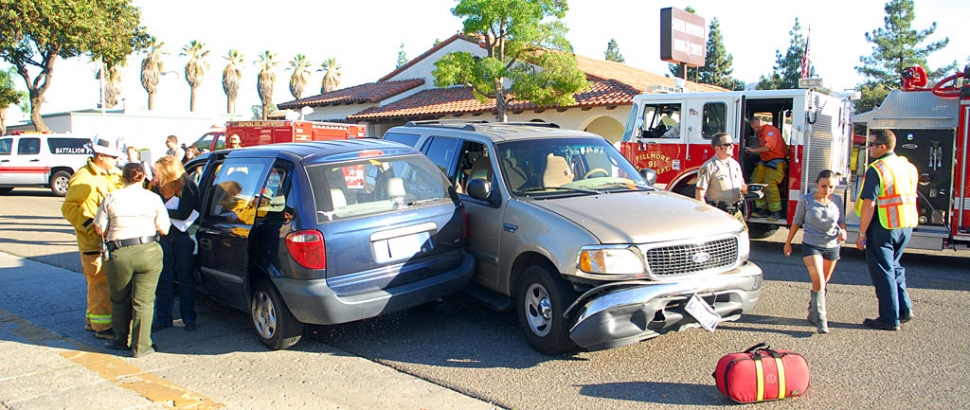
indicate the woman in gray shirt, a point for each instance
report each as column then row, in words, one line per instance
column 822, row 215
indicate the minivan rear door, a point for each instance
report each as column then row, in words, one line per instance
column 230, row 202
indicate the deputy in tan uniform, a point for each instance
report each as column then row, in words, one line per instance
column 719, row 180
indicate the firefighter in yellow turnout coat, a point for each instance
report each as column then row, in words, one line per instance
column 85, row 192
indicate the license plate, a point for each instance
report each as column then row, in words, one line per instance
column 406, row 246
column 703, row 312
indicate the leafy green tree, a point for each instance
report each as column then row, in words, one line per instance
column 9, row 95
column 231, row 75
column 331, row 75
column 613, row 52
column 788, row 66
column 894, row 47
column 34, row 33
column 718, row 64
column 196, row 68
column 524, row 42
column 402, row 57
column 301, row 71
column 151, row 68
column 266, row 80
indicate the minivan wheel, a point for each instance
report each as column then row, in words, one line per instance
column 542, row 295
column 272, row 320
column 58, row 183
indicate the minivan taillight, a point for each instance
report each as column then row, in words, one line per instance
column 307, row 249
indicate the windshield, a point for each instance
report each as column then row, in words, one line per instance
column 556, row 166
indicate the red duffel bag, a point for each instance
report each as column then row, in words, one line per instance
column 761, row 374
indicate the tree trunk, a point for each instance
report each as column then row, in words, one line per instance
column 192, row 99
column 151, row 101
column 229, row 107
column 500, row 113
column 265, row 107
column 3, row 121
column 35, row 102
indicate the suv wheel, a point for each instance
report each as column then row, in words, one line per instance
column 5, row 190
column 58, row 183
column 272, row 320
column 540, row 300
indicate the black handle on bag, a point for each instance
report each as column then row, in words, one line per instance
column 759, row 346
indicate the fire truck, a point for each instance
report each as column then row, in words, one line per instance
column 671, row 134
column 931, row 125
column 275, row 131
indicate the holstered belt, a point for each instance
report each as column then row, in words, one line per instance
column 724, row 206
column 121, row 243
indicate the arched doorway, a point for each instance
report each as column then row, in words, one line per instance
column 608, row 127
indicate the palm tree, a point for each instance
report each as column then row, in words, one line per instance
column 151, row 68
column 331, row 76
column 301, row 71
column 230, row 79
column 112, row 84
column 195, row 69
column 264, row 85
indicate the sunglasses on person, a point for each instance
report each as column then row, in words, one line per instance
column 873, row 144
column 728, row 145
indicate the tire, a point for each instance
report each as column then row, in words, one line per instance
column 540, row 299
column 5, row 190
column 274, row 324
column 761, row 231
column 58, row 183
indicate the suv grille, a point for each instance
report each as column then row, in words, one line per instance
column 684, row 259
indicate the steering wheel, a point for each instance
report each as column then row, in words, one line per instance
column 596, row 170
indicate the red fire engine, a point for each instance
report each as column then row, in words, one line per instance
column 671, row 134
column 275, row 131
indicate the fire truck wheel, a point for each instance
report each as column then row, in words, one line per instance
column 687, row 190
column 761, row 231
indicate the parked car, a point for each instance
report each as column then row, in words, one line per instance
column 326, row 232
column 570, row 235
column 45, row 160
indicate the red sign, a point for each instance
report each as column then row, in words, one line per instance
column 683, row 37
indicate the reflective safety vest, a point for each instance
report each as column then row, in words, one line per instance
column 896, row 202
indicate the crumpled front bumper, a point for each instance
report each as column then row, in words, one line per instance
column 645, row 310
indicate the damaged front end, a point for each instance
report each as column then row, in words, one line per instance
column 621, row 313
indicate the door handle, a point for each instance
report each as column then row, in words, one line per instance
column 35, row 160
column 205, row 243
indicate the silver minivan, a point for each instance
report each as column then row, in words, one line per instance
column 569, row 234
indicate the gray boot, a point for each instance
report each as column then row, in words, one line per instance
column 812, row 314
column 823, row 324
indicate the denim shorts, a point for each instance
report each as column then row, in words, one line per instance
column 829, row 254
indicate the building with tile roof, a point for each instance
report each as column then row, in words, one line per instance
column 408, row 94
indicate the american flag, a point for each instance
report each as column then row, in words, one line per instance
column 806, row 60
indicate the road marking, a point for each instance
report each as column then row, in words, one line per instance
column 117, row 370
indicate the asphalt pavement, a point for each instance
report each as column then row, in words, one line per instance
column 49, row 362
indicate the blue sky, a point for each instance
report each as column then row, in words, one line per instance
column 366, row 35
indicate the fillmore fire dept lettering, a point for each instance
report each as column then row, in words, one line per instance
column 654, row 160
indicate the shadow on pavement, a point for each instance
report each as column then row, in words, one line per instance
column 649, row 392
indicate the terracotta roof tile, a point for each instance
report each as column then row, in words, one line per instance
column 443, row 101
column 642, row 80
column 364, row 93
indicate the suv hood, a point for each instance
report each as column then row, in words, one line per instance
column 641, row 217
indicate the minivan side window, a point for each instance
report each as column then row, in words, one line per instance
column 235, row 193
column 273, row 203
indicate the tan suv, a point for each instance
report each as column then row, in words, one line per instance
column 46, row 160
column 570, row 235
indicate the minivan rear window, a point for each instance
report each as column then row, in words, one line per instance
column 375, row 185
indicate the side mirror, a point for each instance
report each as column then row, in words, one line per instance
column 479, row 188
column 650, row 175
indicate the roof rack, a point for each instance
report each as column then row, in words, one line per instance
column 471, row 125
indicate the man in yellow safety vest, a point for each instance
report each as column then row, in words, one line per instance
column 889, row 191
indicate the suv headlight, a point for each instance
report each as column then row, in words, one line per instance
column 744, row 245
column 611, row 261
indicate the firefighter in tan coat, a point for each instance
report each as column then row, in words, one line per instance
column 85, row 192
